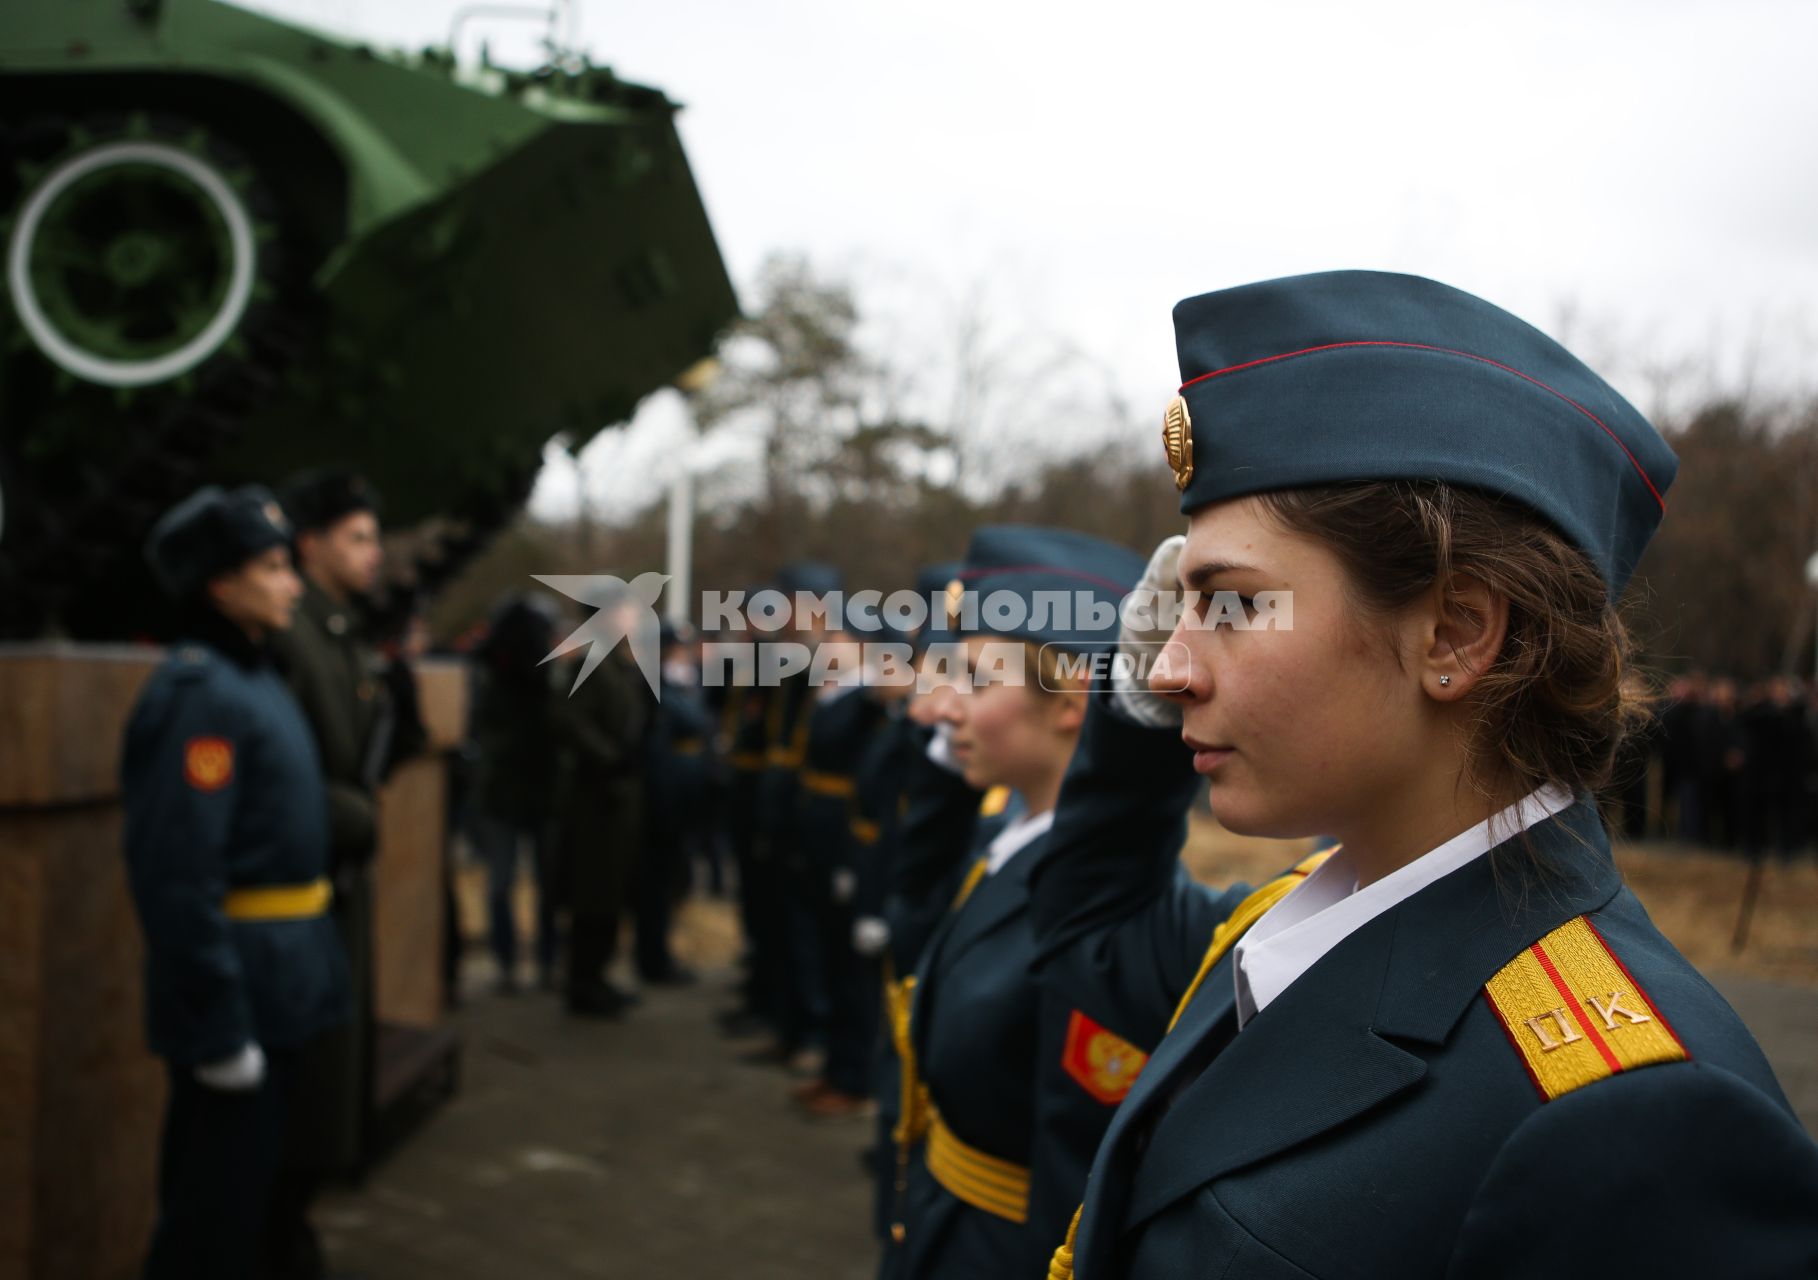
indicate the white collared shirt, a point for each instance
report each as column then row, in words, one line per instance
column 1014, row 838
column 1328, row 907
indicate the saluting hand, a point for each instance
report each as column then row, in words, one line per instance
column 1144, row 628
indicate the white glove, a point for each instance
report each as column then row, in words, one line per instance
column 845, row 884
column 1142, row 635
column 940, row 748
column 242, row 1073
column 870, row 935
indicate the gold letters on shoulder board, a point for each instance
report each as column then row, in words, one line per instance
column 1177, row 438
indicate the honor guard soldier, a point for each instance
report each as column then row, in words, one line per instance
column 945, row 826
column 604, row 726
column 1456, row 1046
column 743, row 714
column 227, row 854
column 893, row 924
column 679, row 781
column 787, row 923
column 511, row 804
column 845, row 719
column 999, row 1162
column 879, row 802
column 335, row 677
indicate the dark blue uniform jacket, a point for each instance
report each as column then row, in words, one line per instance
column 877, row 807
column 192, row 834
column 839, row 728
column 939, row 835
column 991, row 1042
column 787, row 709
column 1377, row 1118
column 680, row 764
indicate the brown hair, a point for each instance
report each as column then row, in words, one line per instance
column 1045, row 660
column 1562, row 694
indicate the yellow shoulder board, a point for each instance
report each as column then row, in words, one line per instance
column 1574, row 1013
column 995, row 802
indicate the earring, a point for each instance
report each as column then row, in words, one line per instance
column 1444, row 681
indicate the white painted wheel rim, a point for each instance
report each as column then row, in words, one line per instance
column 103, row 370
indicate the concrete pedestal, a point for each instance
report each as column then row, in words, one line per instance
column 80, row 1098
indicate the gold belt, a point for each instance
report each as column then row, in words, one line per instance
column 279, row 901
column 826, row 784
column 918, row 1116
column 983, row 1181
column 751, row 760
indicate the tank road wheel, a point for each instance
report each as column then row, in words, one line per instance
column 132, row 261
column 156, row 300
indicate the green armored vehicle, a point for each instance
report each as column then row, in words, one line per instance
column 235, row 247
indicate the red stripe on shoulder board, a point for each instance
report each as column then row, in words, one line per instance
column 1449, row 351
column 1571, row 1002
column 1639, row 989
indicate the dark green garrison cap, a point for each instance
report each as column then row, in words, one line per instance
column 1366, row 375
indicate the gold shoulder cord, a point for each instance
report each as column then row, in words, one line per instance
column 914, row 1103
column 1238, row 923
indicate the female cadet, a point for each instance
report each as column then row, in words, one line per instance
column 1458, row 1047
column 227, row 852
column 1001, row 1164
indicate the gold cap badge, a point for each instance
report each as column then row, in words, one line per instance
column 1177, row 438
column 956, row 597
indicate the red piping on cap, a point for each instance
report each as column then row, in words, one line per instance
column 1420, row 346
column 1054, row 569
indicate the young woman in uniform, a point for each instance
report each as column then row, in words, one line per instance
column 992, row 1163
column 1457, row 1046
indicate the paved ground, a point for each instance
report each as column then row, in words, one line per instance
column 645, row 1149
column 1785, row 1019
column 641, row 1148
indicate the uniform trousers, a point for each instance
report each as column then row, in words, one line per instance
column 498, row 842
column 225, row 1209
column 802, row 997
column 661, row 872
column 854, row 987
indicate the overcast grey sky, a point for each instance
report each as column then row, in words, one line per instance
column 1646, row 166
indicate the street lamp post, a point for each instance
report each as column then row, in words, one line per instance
column 680, row 557
column 1811, row 580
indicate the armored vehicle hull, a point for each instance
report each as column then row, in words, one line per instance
column 235, row 247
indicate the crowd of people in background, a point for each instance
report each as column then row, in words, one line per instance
column 600, row 787
column 1728, row 765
